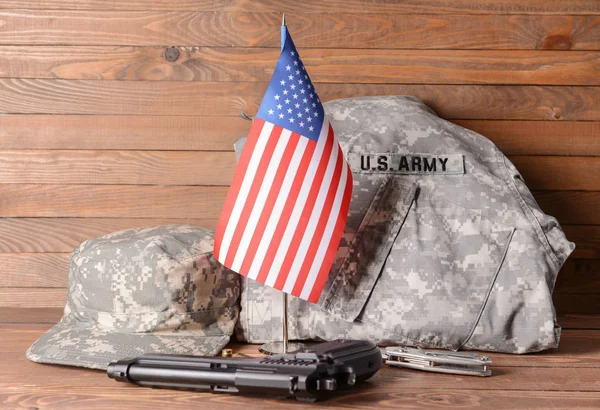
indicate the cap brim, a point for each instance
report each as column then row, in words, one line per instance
column 94, row 348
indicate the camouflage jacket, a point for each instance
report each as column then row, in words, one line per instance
column 444, row 247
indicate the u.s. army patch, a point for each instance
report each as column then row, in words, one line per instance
column 396, row 163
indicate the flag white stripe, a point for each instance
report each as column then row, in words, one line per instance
column 299, row 206
column 257, row 154
column 282, row 197
column 326, row 239
column 261, row 198
column 313, row 221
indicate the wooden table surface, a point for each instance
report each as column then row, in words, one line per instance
column 565, row 378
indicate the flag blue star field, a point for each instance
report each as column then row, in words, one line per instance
column 287, row 206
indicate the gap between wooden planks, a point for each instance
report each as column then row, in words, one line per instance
column 396, row 396
column 202, row 133
column 356, row 66
column 35, row 96
column 202, row 202
column 578, row 348
column 63, row 167
column 261, row 29
column 590, row 7
column 59, row 235
column 553, row 373
column 56, row 237
column 48, row 315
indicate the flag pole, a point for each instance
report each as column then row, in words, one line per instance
column 284, row 347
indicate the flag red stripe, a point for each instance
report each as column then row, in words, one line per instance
column 306, row 212
column 287, row 210
column 270, row 201
column 250, row 200
column 321, row 224
column 329, row 258
column 257, row 126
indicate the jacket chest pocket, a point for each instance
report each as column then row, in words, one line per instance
column 421, row 269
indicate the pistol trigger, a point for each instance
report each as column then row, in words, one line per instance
column 329, row 384
column 293, row 384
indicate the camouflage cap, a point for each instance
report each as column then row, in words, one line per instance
column 145, row 290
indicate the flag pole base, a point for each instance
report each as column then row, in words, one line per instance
column 272, row 348
column 284, row 346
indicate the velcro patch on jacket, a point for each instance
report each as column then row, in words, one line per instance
column 407, row 164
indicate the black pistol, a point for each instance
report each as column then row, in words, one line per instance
column 310, row 374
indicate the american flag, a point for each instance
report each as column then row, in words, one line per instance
column 287, row 206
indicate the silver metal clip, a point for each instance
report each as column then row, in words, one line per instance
column 468, row 364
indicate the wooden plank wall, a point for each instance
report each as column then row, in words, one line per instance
column 100, row 131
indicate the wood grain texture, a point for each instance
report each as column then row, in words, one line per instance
column 99, row 132
column 110, row 398
column 578, row 348
column 31, row 235
column 559, row 173
column 251, row 29
column 550, row 375
column 197, row 202
column 192, row 133
column 334, row 6
column 53, row 315
column 43, row 270
column 327, row 65
column 33, row 297
column 50, row 270
column 579, row 276
column 186, row 133
column 584, row 303
column 216, row 168
column 118, row 167
column 109, row 201
column 575, row 207
column 537, row 137
column 25, row 96
column 579, row 321
column 533, row 381
column 587, row 238
column 32, row 315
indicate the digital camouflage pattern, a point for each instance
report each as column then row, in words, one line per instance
column 148, row 290
column 444, row 247
column 432, row 258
